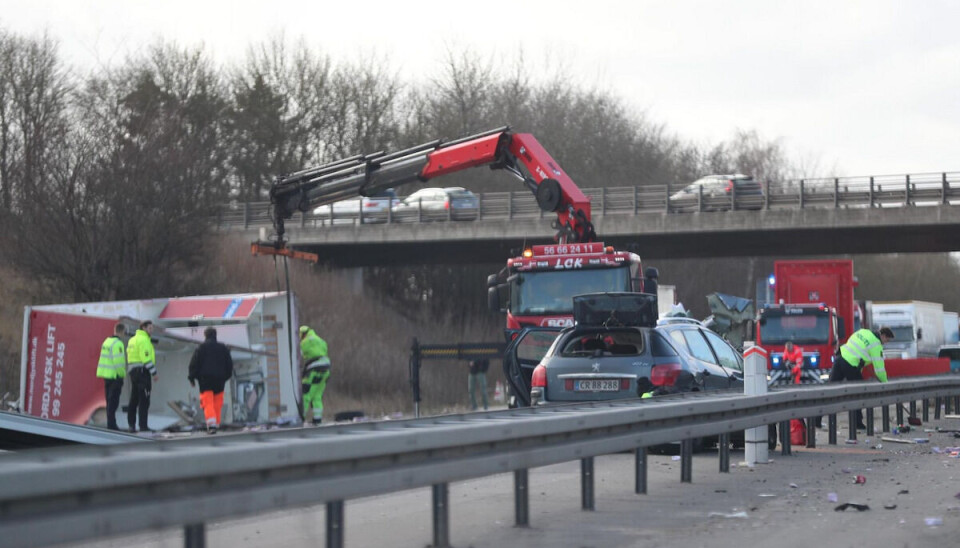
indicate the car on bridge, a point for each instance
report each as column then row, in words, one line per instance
column 438, row 204
column 373, row 209
column 718, row 192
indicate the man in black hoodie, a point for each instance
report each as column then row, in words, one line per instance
column 212, row 366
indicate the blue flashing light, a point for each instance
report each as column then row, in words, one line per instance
column 814, row 360
column 776, row 361
column 772, row 280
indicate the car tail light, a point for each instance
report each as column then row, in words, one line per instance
column 665, row 374
column 539, row 378
column 729, row 186
column 370, row 203
column 624, row 384
column 446, row 204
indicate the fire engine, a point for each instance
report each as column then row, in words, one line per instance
column 535, row 288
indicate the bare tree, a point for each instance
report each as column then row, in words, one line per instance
column 280, row 115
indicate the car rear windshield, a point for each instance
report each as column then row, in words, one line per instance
column 604, row 343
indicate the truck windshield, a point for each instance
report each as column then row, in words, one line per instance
column 902, row 333
column 778, row 328
column 551, row 292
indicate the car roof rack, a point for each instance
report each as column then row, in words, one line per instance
column 678, row 319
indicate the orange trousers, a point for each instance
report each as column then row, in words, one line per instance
column 212, row 404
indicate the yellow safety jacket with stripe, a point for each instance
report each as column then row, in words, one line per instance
column 113, row 359
column 864, row 347
column 140, row 353
column 314, row 351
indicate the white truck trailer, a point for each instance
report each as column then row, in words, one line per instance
column 917, row 327
column 951, row 328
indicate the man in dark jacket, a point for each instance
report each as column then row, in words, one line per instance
column 212, row 366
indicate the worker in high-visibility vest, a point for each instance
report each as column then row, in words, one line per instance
column 141, row 367
column 862, row 348
column 112, row 368
column 316, row 372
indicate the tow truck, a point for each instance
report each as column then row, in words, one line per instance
column 536, row 288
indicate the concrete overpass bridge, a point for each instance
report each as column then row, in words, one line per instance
column 896, row 214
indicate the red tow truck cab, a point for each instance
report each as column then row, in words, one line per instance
column 541, row 283
column 814, row 308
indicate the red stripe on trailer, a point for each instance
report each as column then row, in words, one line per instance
column 189, row 309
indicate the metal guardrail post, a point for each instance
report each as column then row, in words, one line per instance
column 723, row 448
column 926, row 409
column 700, row 198
column 870, row 429
column 666, row 199
column 510, row 205
column 785, row 446
column 885, row 418
column 420, row 210
column 937, row 402
column 686, row 460
column 586, row 483
column 766, row 196
column 945, row 189
column 194, row 535
column 640, row 467
column 871, row 192
column 852, row 425
column 636, row 199
column 811, row 432
column 836, row 193
column 303, row 219
column 832, row 429
column 913, row 408
column 521, row 497
column 415, row 375
column 733, row 197
column 801, row 193
column 906, row 192
column 335, row 524
column 441, row 516
column 899, row 414
column 603, row 201
column 246, row 215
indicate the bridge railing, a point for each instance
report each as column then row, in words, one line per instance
column 922, row 189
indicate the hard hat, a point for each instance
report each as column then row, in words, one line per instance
column 304, row 329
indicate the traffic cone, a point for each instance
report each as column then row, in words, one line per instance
column 498, row 392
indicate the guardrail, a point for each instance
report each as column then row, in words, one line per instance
column 72, row 494
column 922, row 189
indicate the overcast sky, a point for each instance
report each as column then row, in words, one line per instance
column 852, row 88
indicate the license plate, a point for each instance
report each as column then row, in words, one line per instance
column 597, row 385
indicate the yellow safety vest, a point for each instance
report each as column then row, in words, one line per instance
column 113, row 359
column 864, row 347
column 140, row 352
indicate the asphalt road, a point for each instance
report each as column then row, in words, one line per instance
column 911, row 491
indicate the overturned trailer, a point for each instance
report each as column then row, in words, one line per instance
column 61, row 347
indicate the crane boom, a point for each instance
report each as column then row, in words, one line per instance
column 520, row 154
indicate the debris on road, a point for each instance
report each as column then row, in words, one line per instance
column 897, row 440
column 831, row 497
column 854, row 505
column 733, row 515
column 860, row 480
column 933, row 522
